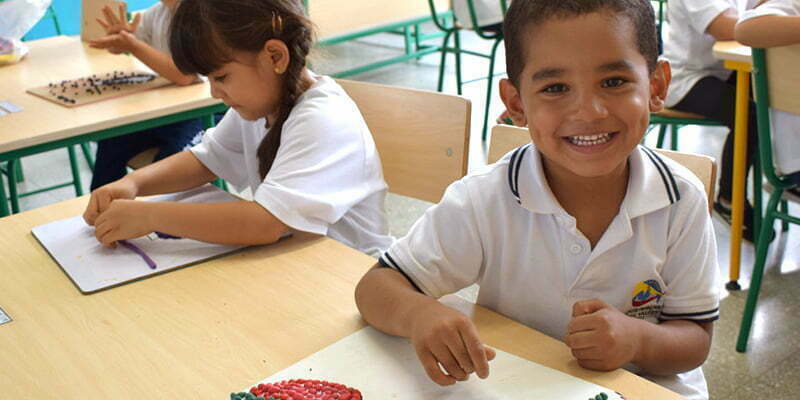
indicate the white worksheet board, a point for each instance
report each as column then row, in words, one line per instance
column 92, row 266
column 386, row 367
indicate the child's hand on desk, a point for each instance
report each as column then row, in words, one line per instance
column 118, row 23
column 117, row 43
column 442, row 335
column 123, row 219
column 601, row 337
column 102, row 197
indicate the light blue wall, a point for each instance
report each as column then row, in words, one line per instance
column 69, row 17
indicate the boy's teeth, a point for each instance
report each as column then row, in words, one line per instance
column 591, row 140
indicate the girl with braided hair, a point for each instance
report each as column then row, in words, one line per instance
column 293, row 137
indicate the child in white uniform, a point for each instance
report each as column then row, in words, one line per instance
column 777, row 23
column 701, row 84
column 582, row 235
column 146, row 38
column 295, row 138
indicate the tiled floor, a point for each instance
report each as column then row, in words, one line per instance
column 770, row 368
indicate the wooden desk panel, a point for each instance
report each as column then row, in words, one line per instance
column 62, row 57
column 336, row 17
column 208, row 330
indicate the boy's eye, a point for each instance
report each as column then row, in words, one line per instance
column 220, row 78
column 556, row 88
column 614, row 82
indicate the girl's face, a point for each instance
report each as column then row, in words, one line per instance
column 251, row 85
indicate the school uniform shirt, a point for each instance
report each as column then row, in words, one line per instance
column 154, row 27
column 502, row 228
column 326, row 177
column 785, row 126
column 487, row 12
column 688, row 47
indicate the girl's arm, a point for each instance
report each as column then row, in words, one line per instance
column 233, row 222
column 160, row 62
column 769, row 31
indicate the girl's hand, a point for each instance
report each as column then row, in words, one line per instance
column 123, row 219
column 601, row 337
column 117, row 43
column 102, row 197
column 118, row 23
column 446, row 337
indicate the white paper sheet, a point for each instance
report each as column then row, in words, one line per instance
column 92, row 266
column 386, row 367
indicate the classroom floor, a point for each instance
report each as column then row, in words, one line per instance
column 770, row 368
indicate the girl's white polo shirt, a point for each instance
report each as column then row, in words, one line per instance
column 688, row 46
column 326, row 177
column 502, row 228
column 785, row 126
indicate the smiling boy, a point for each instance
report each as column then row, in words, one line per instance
column 583, row 235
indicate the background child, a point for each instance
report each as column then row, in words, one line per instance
column 293, row 137
column 777, row 23
column 582, row 235
column 146, row 37
column 701, row 84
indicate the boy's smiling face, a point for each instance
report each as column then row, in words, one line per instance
column 585, row 93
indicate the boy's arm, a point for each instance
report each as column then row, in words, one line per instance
column 769, row 31
column 233, row 222
column 722, row 27
column 440, row 335
column 603, row 338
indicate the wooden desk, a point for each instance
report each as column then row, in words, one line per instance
column 364, row 14
column 204, row 331
column 43, row 125
column 737, row 57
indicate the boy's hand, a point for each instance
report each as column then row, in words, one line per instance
column 118, row 23
column 117, row 43
column 601, row 337
column 102, row 197
column 123, row 219
column 442, row 335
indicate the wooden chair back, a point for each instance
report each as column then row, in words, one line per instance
column 422, row 137
column 506, row 138
column 784, row 87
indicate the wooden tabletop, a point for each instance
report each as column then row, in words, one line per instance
column 63, row 57
column 732, row 50
column 205, row 331
column 364, row 14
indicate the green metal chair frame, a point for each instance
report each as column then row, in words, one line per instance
column 453, row 31
column 777, row 207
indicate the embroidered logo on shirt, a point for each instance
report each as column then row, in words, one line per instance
column 645, row 292
column 646, row 300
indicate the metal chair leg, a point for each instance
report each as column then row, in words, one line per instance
column 673, row 140
column 758, row 272
column 457, row 41
column 784, row 210
column 13, row 195
column 662, row 131
column 4, row 210
column 490, row 79
column 87, row 154
column 19, row 175
column 445, row 42
column 76, row 172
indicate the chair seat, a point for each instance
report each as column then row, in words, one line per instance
column 143, row 159
column 670, row 113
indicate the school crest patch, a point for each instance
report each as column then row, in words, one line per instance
column 646, row 301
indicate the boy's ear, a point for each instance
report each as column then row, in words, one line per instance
column 275, row 56
column 659, row 85
column 513, row 101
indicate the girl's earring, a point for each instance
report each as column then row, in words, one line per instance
column 278, row 71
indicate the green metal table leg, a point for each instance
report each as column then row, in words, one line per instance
column 76, row 172
column 19, row 176
column 785, row 210
column 673, row 139
column 457, row 41
column 662, row 132
column 12, row 186
column 4, row 210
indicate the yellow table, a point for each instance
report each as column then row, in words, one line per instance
column 204, row 331
column 737, row 57
column 43, row 125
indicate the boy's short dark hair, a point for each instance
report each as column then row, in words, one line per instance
column 523, row 15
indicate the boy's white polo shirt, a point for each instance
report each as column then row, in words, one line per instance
column 502, row 228
column 785, row 126
column 326, row 178
column 688, row 46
